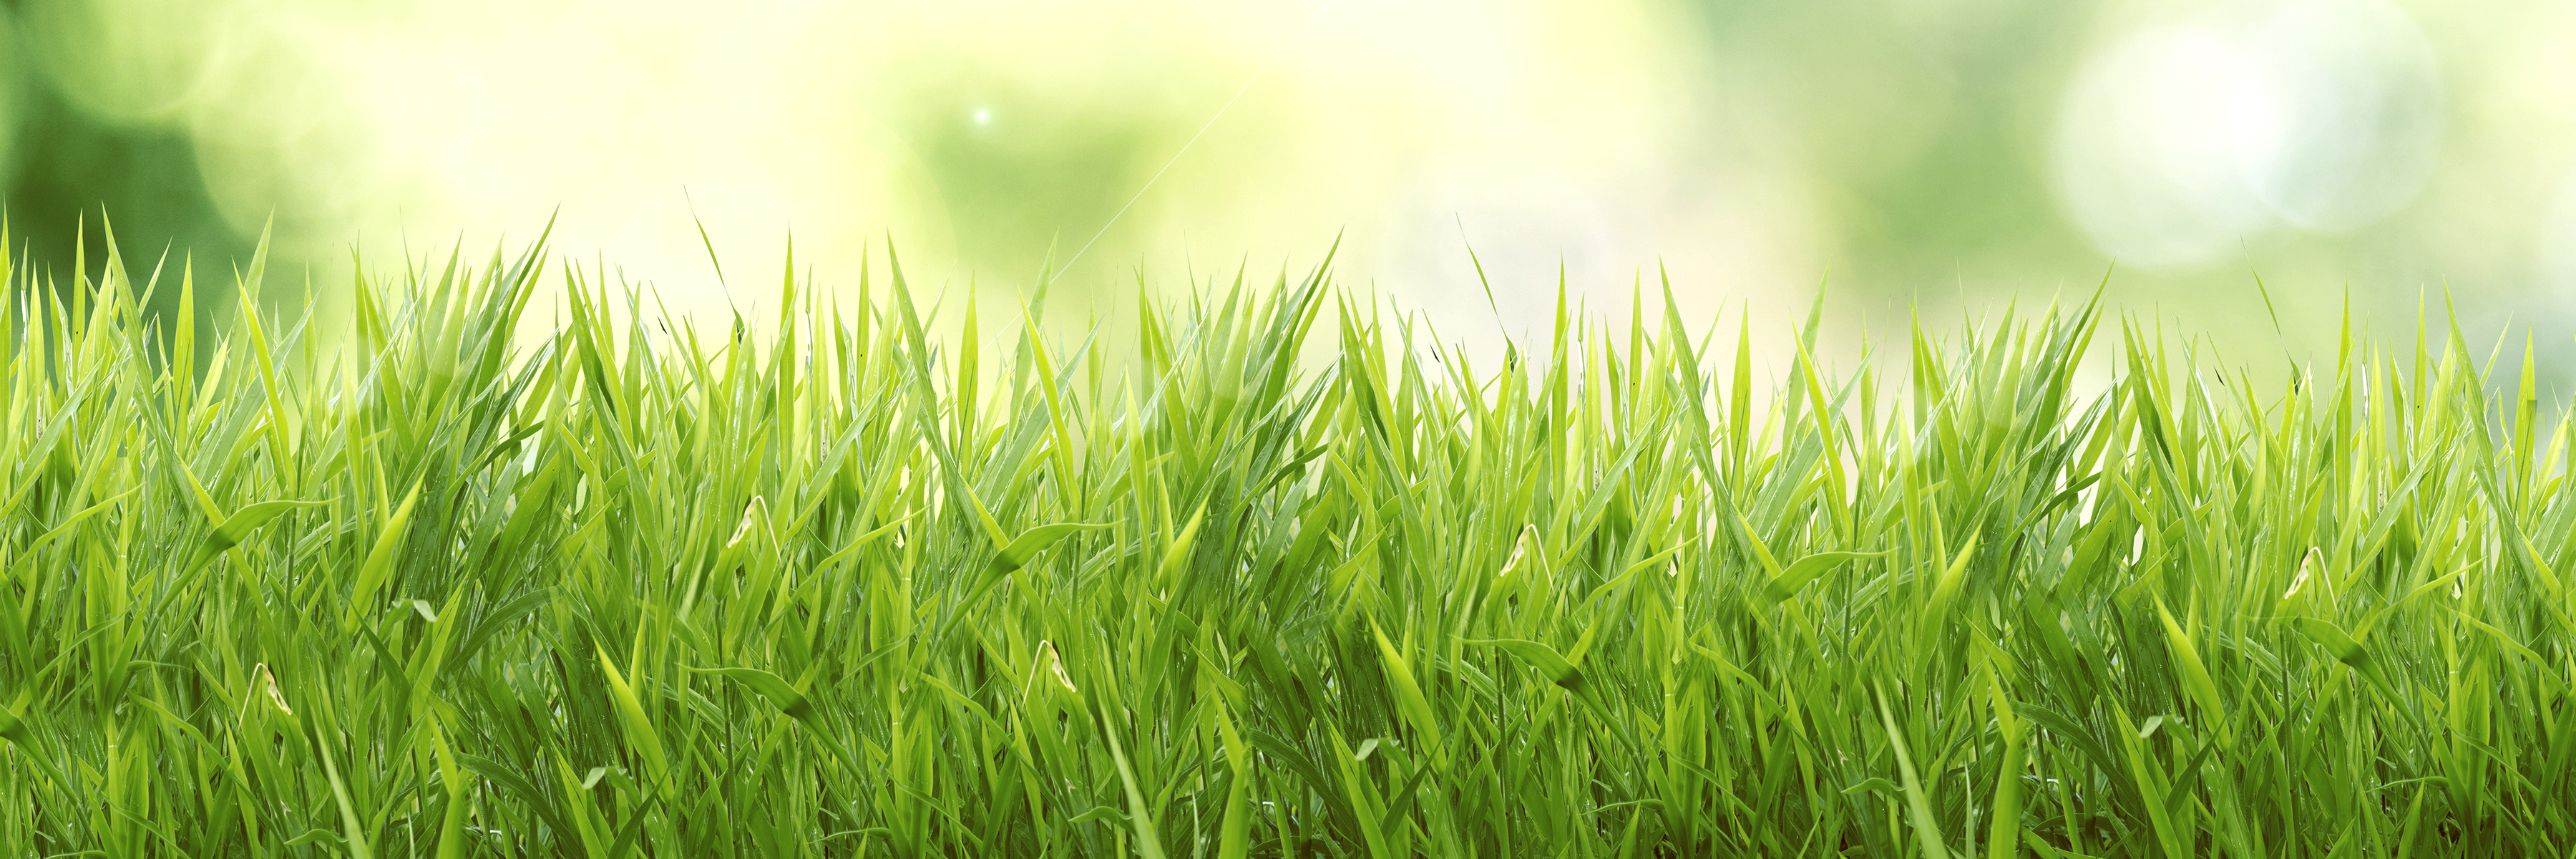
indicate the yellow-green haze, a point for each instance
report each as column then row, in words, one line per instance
column 1945, row 154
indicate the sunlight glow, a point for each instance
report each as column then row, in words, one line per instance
column 2176, row 143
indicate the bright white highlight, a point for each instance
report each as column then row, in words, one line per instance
column 2177, row 142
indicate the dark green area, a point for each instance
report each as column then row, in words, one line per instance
column 72, row 178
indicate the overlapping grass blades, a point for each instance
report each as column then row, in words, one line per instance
column 402, row 590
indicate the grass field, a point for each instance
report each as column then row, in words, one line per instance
column 401, row 589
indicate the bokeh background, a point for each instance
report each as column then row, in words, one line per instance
column 1947, row 155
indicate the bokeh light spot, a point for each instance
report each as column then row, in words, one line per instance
column 2176, row 142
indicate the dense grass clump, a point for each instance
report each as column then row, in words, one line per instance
column 403, row 589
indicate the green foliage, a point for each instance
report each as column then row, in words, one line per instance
column 408, row 590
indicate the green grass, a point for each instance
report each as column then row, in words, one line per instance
column 399, row 589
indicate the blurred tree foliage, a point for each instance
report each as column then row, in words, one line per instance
column 71, row 169
column 69, row 176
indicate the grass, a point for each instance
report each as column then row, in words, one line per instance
column 401, row 589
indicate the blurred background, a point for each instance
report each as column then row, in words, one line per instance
column 1951, row 155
